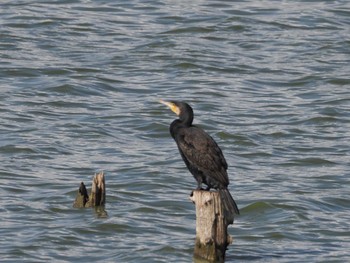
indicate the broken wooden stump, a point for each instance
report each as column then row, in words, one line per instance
column 212, row 237
column 97, row 196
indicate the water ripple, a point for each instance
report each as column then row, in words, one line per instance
column 80, row 81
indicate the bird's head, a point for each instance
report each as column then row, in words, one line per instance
column 173, row 105
column 181, row 109
column 178, row 107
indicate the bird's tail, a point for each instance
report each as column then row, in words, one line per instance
column 229, row 204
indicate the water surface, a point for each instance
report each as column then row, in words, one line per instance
column 80, row 83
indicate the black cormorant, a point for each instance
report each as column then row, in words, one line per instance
column 201, row 154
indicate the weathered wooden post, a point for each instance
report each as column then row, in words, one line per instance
column 98, row 190
column 97, row 196
column 212, row 238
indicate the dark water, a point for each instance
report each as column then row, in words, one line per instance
column 80, row 83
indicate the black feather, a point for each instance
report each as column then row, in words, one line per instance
column 201, row 154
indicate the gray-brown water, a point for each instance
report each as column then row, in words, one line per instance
column 80, row 83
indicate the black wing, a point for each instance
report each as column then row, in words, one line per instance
column 202, row 152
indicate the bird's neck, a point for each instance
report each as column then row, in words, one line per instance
column 186, row 120
column 178, row 124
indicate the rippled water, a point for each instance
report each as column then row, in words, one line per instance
column 80, row 80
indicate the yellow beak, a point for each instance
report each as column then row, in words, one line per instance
column 172, row 106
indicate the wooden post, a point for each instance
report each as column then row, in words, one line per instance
column 98, row 190
column 212, row 238
column 82, row 197
column 97, row 196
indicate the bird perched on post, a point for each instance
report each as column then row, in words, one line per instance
column 201, row 154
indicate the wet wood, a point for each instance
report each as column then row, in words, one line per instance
column 212, row 238
column 97, row 196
